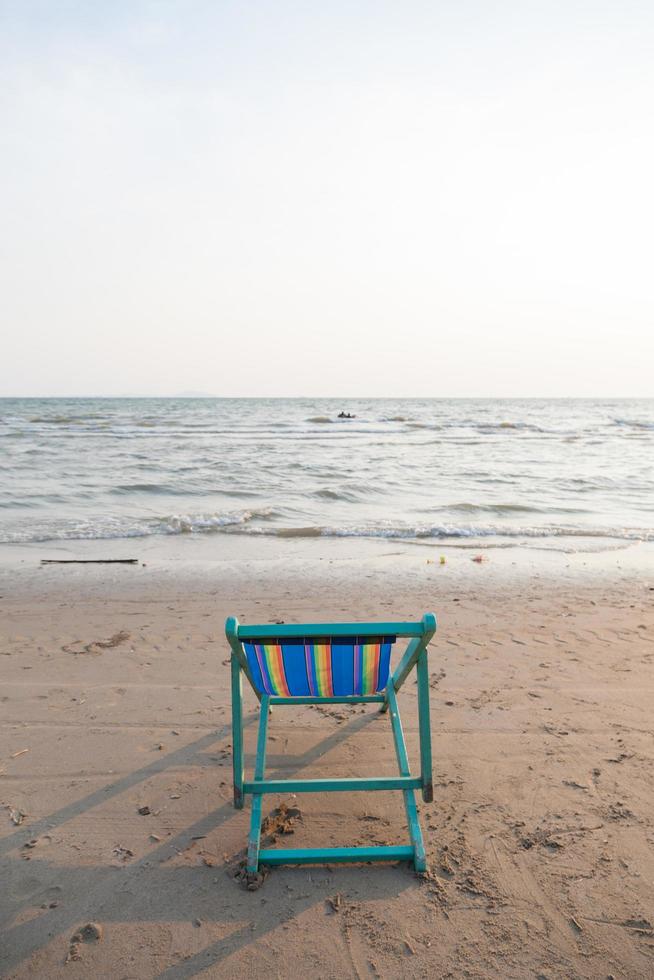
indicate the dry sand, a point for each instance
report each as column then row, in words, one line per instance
column 540, row 838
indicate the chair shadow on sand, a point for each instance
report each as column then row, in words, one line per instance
column 145, row 885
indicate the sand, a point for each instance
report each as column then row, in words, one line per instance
column 119, row 843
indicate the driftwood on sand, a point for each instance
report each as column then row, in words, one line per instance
column 89, row 561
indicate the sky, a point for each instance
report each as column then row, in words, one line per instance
column 371, row 198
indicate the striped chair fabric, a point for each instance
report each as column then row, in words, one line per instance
column 329, row 667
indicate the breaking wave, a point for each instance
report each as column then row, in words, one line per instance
column 260, row 522
column 110, row 528
column 443, row 531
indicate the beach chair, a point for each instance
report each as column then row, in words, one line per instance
column 330, row 663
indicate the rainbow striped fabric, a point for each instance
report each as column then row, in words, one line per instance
column 320, row 668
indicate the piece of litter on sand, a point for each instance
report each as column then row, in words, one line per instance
column 575, row 924
column 479, row 558
column 281, row 820
column 16, row 816
column 15, row 755
column 409, row 948
column 335, row 902
column 145, row 811
column 155, row 838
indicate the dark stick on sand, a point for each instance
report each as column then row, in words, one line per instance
column 89, row 561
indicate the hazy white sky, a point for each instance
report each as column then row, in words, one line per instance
column 361, row 197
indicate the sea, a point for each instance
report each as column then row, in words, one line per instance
column 577, row 474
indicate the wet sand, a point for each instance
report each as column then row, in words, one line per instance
column 540, row 839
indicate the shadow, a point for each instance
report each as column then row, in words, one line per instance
column 153, row 889
column 339, row 735
column 381, row 883
column 185, row 755
column 149, row 892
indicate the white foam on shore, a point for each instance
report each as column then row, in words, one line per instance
column 261, row 522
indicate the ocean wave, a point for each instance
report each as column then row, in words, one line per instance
column 320, row 419
column 511, row 427
column 634, row 424
column 508, row 508
column 110, row 528
column 66, row 419
column 33, row 501
column 443, row 531
column 122, row 488
column 326, row 493
column 246, row 522
column 479, row 426
column 193, row 523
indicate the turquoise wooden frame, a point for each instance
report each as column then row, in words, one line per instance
column 419, row 634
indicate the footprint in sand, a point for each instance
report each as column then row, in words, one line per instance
column 96, row 646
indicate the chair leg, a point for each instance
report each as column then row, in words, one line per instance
column 419, row 857
column 237, row 733
column 425, row 728
column 254, row 841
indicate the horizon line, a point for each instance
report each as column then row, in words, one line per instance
column 603, row 397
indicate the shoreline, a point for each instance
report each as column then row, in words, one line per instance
column 199, row 561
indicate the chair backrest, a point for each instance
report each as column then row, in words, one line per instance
column 311, row 666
